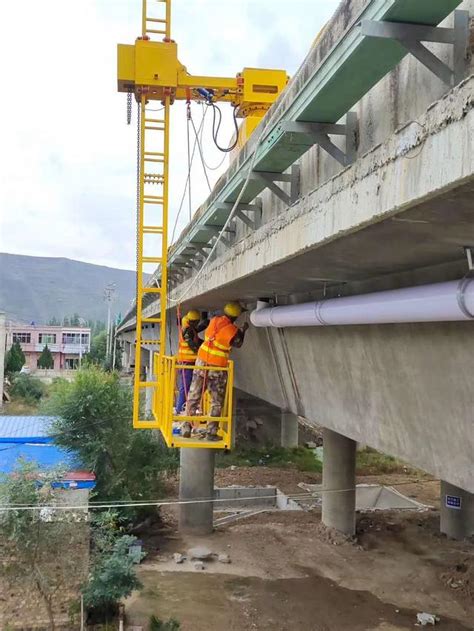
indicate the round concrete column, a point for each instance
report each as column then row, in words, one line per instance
column 457, row 511
column 196, row 482
column 289, row 429
column 339, row 482
column 149, row 391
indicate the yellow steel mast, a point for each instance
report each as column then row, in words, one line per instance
column 150, row 70
column 153, row 169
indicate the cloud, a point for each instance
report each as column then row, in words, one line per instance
column 68, row 160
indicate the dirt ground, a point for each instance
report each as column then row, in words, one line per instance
column 288, row 573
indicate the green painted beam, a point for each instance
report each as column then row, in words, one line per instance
column 348, row 72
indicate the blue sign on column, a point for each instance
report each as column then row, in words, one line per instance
column 453, row 501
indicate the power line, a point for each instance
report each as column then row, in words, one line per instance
column 186, row 183
column 227, row 222
column 173, row 502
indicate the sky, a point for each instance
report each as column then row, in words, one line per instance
column 68, row 159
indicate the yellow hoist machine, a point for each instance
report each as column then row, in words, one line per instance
column 150, row 71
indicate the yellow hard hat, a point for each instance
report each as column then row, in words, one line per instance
column 193, row 315
column 233, row 309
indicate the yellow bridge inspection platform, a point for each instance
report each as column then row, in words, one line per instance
column 167, row 371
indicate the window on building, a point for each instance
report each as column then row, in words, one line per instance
column 22, row 338
column 71, row 338
column 47, row 338
column 85, row 338
column 71, row 363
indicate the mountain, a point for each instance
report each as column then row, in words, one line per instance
column 34, row 288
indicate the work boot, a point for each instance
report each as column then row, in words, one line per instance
column 186, row 429
column 211, row 431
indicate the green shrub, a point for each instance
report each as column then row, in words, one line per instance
column 27, row 388
column 94, row 420
column 159, row 625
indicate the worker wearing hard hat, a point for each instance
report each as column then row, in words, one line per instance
column 219, row 338
column 189, row 342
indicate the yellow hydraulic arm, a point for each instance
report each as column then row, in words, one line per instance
column 150, row 70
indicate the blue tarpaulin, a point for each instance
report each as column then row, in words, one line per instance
column 28, row 438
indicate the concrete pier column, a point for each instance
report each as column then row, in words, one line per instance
column 2, row 353
column 196, row 482
column 289, row 429
column 457, row 511
column 126, row 355
column 133, row 347
column 339, row 482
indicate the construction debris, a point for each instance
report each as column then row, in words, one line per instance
column 200, row 553
column 223, row 558
column 199, row 565
column 424, row 619
column 178, row 557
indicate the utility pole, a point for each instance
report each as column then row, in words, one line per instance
column 2, row 353
column 109, row 296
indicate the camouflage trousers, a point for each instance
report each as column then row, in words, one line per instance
column 212, row 381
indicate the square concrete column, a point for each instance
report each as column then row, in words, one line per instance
column 196, row 482
column 289, row 429
column 339, row 482
column 2, row 353
column 457, row 511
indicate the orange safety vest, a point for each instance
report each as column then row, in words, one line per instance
column 215, row 349
column 185, row 353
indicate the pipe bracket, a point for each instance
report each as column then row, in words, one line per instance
column 411, row 35
column 461, row 294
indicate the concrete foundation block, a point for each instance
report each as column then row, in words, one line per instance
column 457, row 511
column 339, row 494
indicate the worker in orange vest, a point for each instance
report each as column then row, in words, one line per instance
column 219, row 338
column 189, row 342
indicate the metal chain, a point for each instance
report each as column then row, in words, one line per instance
column 129, row 108
column 138, row 198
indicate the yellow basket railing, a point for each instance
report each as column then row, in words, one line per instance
column 167, row 371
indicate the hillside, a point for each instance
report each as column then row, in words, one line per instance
column 39, row 288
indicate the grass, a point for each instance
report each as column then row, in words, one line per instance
column 368, row 461
column 19, row 407
column 372, row 462
column 299, row 458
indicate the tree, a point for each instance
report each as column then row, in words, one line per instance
column 66, row 321
column 75, row 320
column 46, row 360
column 15, row 359
column 54, row 322
column 34, row 535
column 113, row 573
column 98, row 348
column 94, row 420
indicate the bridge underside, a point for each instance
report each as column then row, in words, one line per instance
column 399, row 216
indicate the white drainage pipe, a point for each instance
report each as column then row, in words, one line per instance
column 440, row 302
